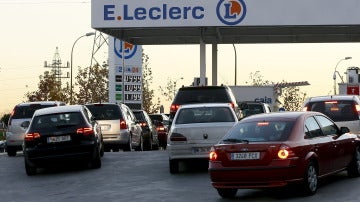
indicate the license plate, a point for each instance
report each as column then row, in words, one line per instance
column 201, row 150
column 105, row 127
column 58, row 139
column 245, row 156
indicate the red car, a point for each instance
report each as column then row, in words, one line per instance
column 276, row 149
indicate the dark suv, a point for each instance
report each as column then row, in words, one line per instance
column 203, row 94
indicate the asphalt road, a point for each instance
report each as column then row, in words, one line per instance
column 144, row 176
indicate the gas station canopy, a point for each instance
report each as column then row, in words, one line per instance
column 228, row 21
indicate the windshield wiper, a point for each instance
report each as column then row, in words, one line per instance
column 236, row 140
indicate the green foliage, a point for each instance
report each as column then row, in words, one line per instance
column 5, row 118
column 148, row 94
column 93, row 84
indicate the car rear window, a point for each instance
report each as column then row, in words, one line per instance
column 260, row 131
column 105, row 112
column 27, row 111
column 139, row 116
column 202, row 95
column 337, row 110
column 204, row 115
column 57, row 120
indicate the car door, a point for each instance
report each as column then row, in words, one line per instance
column 320, row 144
column 343, row 146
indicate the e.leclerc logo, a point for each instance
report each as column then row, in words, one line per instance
column 129, row 49
column 231, row 12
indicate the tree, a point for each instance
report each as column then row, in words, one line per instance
column 49, row 89
column 292, row 98
column 169, row 90
column 93, row 84
column 5, row 119
column 148, row 94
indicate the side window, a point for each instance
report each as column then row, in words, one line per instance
column 327, row 126
column 312, row 128
column 88, row 114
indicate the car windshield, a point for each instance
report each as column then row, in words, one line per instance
column 204, row 115
column 337, row 110
column 105, row 112
column 56, row 120
column 260, row 131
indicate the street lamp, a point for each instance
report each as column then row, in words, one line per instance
column 335, row 71
column 71, row 64
column 235, row 63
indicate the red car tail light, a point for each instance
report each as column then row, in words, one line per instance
column 232, row 105
column 213, row 155
column 177, row 137
column 123, row 124
column 85, row 131
column 143, row 124
column 31, row 136
column 357, row 108
column 285, row 152
column 174, row 108
column 160, row 128
column 305, row 109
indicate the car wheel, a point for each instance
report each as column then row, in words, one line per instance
column 30, row 170
column 174, row 166
column 148, row 143
column 128, row 146
column 310, row 179
column 354, row 167
column 11, row 151
column 141, row 144
column 227, row 193
column 96, row 160
column 102, row 150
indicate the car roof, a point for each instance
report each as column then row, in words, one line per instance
column 280, row 115
column 41, row 103
column 204, row 87
column 333, row 97
column 205, row 105
column 60, row 109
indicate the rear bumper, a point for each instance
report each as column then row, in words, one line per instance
column 254, row 177
column 41, row 156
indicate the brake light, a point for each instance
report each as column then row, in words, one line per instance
column 177, row 137
column 232, row 105
column 331, row 102
column 31, row 136
column 357, row 108
column 174, row 108
column 123, row 124
column 213, row 155
column 285, row 152
column 143, row 124
column 85, row 131
column 160, row 128
column 263, row 123
column 305, row 109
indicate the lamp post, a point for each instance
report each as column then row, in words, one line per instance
column 335, row 71
column 71, row 64
column 235, row 63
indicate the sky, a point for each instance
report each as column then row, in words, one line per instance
column 32, row 30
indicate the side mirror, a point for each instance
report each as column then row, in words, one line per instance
column 25, row 124
column 344, row 130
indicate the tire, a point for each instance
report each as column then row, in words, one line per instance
column 96, row 160
column 310, row 179
column 353, row 169
column 30, row 170
column 227, row 193
column 128, row 146
column 174, row 166
column 148, row 143
column 11, row 151
column 141, row 144
column 102, row 151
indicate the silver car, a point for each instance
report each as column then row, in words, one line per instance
column 16, row 130
column 195, row 128
column 344, row 110
column 119, row 126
